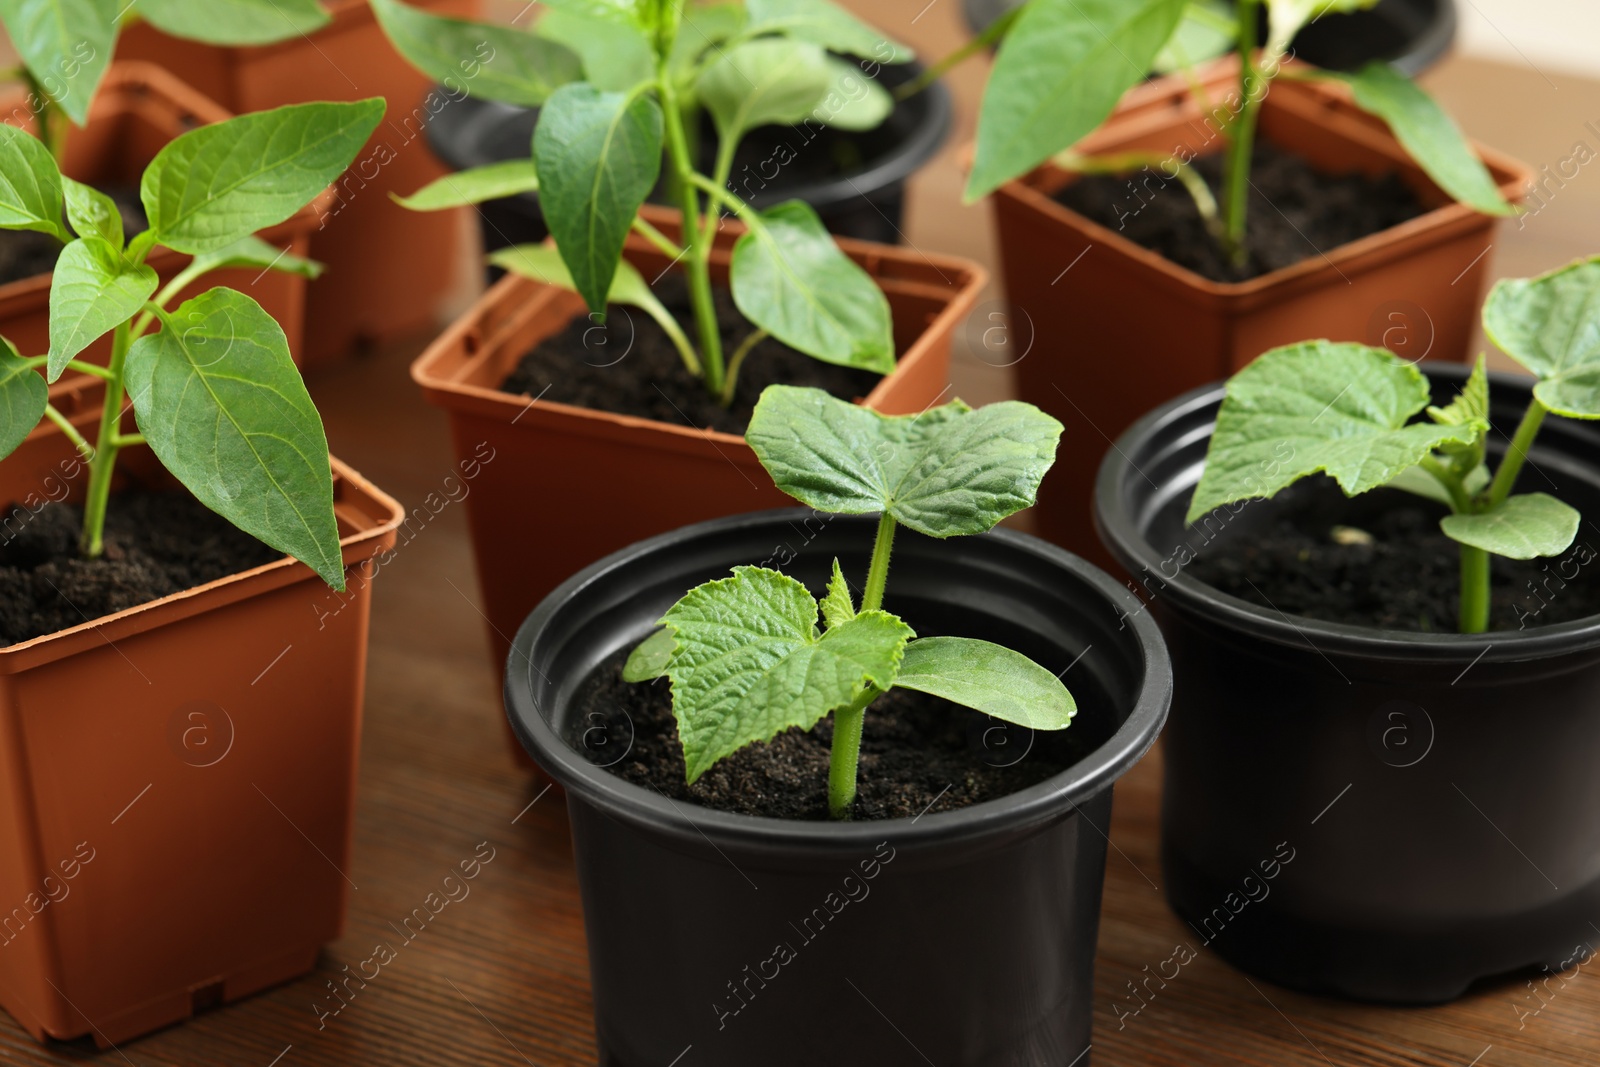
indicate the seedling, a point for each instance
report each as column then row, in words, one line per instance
column 215, row 392
column 744, row 654
column 1064, row 64
column 617, row 82
column 1346, row 410
column 65, row 45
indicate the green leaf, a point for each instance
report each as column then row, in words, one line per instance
column 235, row 22
column 211, row 186
column 1059, row 73
column 92, row 213
column 1471, row 405
column 749, row 663
column 762, row 82
column 1286, row 17
column 488, row 61
column 23, row 396
column 790, row 278
column 544, row 264
column 1419, row 482
column 598, row 155
column 703, row 27
column 1551, row 325
column 947, row 472
column 1430, row 136
column 632, row 14
column 1316, row 406
column 92, row 292
column 988, row 677
column 826, row 24
column 491, row 182
column 1521, row 527
column 649, row 660
column 66, row 44
column 1209, row 29
column 221, row 404
column 254, row 252
column 30, row 184
column 837, row 607
column 614, row 56
column 854, row 101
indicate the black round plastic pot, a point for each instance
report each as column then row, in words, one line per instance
column 866, row 201
column 969, row 934
column 1411, row 34
column 1381, row 815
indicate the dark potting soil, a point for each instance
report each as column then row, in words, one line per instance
column 1295, row 212
column 630, row 367
column 1407, row 578
column 25, row 253
column 156, row 544
column 918, row 753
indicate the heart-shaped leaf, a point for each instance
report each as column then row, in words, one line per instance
column 30, row 185
column 491, row 182
column 92, row 213
column 1340, row 408
column 762, row 82
column 1551, row 325
column 485, row 60
column 749, row 663
column 254, row 252
column 1060, row 71
column 93, row 291
column 23, row 396
column 947, row 472
column 221, row 404
column 235, row 22
column 66, row 45
column 211, row 186
column 1429, row 135
column 597, row 155
column 826, row 24
column 789, row 277
column 988, row 677
column 1524, row 526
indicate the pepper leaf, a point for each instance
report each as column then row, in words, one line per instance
column 1520, row 527
column 23, row 396
column 1340, row 408
column 1286, row 17
column 30, row 185
column 837, row 607
column 66, row 45
column 768, row 81
column 615, row 55
column 947, row 472
column 254, row 252
column 488, row 61
column 1551, row 325
column 826, row 24
column 92, row 292
column 474, row 186
column 790, row 278
column 235, row 22
column 750, row 664
column 854, row 101
column 988, row 677
column 91, row 212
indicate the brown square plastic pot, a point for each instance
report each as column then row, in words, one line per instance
column 1115, row 329
column 177, row 781
column 562, row 486
column 138, row 109
column 388, row 268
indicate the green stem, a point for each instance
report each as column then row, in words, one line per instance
column 105, row 456
column 1460, row 502
column 1474, row 590
column 1511, row 466
column 48, row 114
column 1237, row 177
column 845, row 754
column 698, row 260
column 1123, row 162
column 664, row 244
column 878, row 570
column 737, row 361
column 991, row 33
column 69, row 431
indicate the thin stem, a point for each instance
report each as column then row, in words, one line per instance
column 737, row 361
column 48, row 115
column 128, row 440
column 698, row 266
column 1237, row 178
column 1511, row 466
column 69, row 431
column 991, row 33
column 845, row 754
column 77, row 364
column 1122, row 162
column 1460, row 502
column 664, row 244
column 878, row 570
column 105, row 456
column 1474, row 590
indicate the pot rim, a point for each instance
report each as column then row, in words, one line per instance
column 1120, row 533
column 1054, row 797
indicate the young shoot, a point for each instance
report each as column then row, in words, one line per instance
column 214, row 390
column 1348, row 411
column 1064, row 64
column 745, row 655
column 620, row 83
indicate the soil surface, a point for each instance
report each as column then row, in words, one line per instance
column 918, row 753
column 630, row 367
column 156, row 544
column 25, row 253
column 1407, row 578
column 1295, row 212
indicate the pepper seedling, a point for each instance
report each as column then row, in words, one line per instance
column 216, row 395
column 744, row 654
column 1346, row 410
column 618, row 82
column 64, row 46
column 1064, row 64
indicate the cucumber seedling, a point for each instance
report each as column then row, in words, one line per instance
column 1347, row 410
column 214, row 390
column 620, row 82
column 744, row 654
